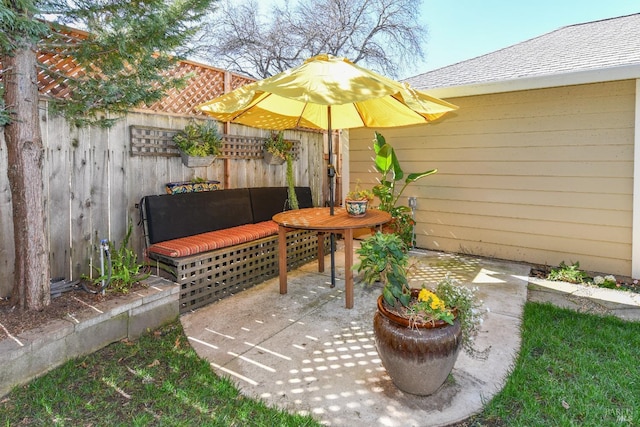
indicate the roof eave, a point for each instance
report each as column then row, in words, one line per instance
column 624, row 72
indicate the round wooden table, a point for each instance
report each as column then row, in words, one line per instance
column 319, row 219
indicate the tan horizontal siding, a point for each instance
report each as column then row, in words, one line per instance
column 541, row 176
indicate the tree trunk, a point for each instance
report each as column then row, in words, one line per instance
column 31, row 287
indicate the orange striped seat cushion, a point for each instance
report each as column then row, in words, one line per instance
column 212, row 240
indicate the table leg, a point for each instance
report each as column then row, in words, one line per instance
column 348, row 262
column 282, row 258
column 321, row 252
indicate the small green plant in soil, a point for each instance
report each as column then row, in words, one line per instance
column 125, row 269
column 384, row 258
column 568, row 273
column 573, row 274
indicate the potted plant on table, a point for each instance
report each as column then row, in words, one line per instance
column 356, row 201
column 386, row 162
column 418, row 331
column 199, row 143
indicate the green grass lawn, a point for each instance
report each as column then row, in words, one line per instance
column 157, row 380
column 573, row 369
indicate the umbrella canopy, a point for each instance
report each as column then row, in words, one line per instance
column 299, row 97
column 326, row 92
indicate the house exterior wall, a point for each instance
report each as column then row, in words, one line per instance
column 540, row 176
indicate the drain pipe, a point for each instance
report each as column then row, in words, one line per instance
column 104, row 250
column 105, row 255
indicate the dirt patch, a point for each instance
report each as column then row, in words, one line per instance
column 14, row 321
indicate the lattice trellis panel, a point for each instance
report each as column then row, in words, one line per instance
column 247, row 147
column 207, row 82
column 149, row 141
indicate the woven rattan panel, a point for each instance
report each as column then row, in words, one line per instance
column 208, row 277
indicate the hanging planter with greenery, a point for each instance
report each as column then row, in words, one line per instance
column 199, row 143
column 276, row 149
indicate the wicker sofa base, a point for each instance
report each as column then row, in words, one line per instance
column 210, row 276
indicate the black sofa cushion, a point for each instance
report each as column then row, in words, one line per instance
column 268, row 201
column 171, row 216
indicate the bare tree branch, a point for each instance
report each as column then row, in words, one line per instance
column 385, row 35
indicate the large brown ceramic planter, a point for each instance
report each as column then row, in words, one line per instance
column 418, row 358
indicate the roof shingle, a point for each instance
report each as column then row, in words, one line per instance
column 589, row 46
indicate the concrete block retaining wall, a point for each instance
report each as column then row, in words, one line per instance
column 39, row 350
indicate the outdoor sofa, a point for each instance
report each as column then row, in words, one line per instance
column 217, row 243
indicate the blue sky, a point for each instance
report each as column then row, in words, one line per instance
column 464, row 29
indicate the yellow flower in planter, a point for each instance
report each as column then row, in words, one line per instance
column 431, row 307
column 434, row 302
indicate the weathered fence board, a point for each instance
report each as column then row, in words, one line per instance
column 94, row 181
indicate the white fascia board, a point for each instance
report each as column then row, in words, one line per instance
column 635, row 230
column 625, row 72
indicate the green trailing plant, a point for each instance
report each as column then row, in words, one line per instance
column 384, row 258
column 568, row 273
column 469, row 310
column 125, row 269
column 291, row 186
column 199, row 139
column 278, row 146
column 392, row 184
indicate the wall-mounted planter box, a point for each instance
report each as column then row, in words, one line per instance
column 196, row 162
column 191, row 187
column 272, row 159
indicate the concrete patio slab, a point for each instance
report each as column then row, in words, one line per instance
column 306, row 353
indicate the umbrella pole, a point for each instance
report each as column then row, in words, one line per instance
column 331, row 171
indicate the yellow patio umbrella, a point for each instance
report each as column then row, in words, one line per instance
column 326, row 92
column 301, row 97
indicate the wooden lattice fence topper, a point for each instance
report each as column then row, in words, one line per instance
column 150, row 141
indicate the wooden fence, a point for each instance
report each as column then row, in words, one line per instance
column 94, row 179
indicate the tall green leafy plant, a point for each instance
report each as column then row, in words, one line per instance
column 384, row 258
column 392, row 184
